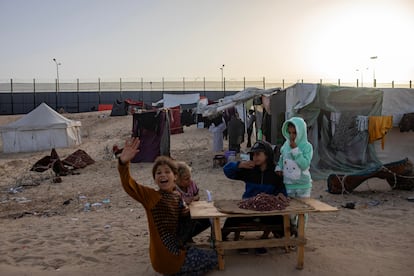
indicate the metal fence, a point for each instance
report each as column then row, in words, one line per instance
column 20, row 96
column 184, row 84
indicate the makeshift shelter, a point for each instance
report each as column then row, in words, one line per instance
column 335, row 117
column 188, row 114
column 133, row 106
column 153, row 129
column 119, row 108
column 41, row 129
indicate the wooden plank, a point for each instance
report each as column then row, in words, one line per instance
column 260, row 243
column 230, row 208
column 218, row 237
column 286, row 228
column 319, row 206
column 301, row 235
column 204, row 209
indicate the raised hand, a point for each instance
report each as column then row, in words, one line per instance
column 130, row 149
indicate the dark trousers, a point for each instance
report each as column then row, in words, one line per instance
column 249, row 137
column 199, row 225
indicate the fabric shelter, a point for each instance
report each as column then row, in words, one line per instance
column 41, row 129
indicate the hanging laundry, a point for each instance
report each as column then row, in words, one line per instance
column 378, row 127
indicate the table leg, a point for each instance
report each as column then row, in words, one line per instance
column 220, row 251
column 301, row 236
column 286, row 231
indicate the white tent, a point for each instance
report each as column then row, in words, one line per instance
column 172, row 100
column 41, row 129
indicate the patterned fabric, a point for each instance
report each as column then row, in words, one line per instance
column 198, row 262
column 192, row 191
column 166, row 213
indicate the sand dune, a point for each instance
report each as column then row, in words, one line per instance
column 40, row 235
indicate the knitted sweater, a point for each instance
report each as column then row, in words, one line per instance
column 163, row 213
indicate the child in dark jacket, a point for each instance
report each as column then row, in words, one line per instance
column 259, row 177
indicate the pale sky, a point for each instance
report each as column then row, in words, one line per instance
column 290, row 39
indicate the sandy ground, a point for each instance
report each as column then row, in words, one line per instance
column 40, row 235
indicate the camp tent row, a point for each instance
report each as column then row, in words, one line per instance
column 41, row 129
column 330, row 113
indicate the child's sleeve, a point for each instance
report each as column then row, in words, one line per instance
column 303, row 157
column 232, row 171
column 131, row 187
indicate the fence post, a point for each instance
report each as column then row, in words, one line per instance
column 264, row 83
column 77, row 93
column 56, row 97
column 392, row 84
column 283, row 83
column 99, row 91
column 357, row 83
column 410, row 83
column 375, row 82
column 320, row 81
column 120, row 87
column 224, row 86
column 11, row 95
column 302, row 81
column 244, row 83
column 34, row 93
column 339, row 82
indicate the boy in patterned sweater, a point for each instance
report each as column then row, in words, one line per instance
column 165, row 209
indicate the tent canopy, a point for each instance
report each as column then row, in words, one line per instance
column 236, row 99
column 41, row 129
column 42, row 117
column 172, row 100
column 332, row 114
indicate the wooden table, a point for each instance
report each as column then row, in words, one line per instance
column 204, row 209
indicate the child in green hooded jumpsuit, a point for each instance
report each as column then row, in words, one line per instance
column 294, row 162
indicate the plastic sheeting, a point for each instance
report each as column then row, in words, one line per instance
column 345, row 150
column 172, row 100
column 396, row 102
column 236, row 99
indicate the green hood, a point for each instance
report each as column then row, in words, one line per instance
column 301, row 130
